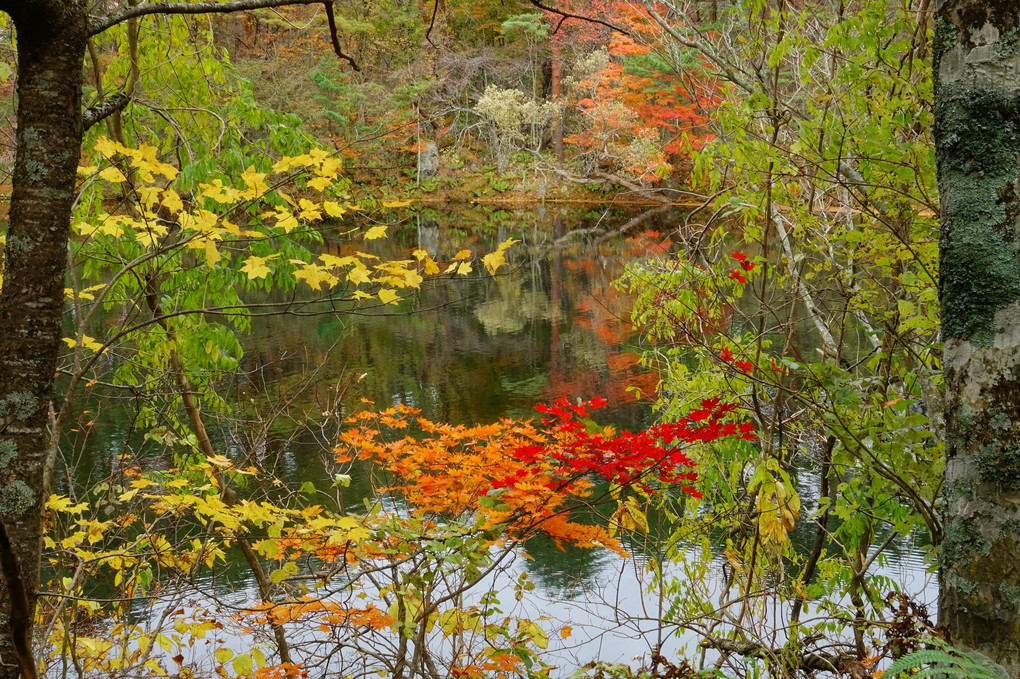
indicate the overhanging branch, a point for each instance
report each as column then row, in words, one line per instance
column 97, row 26
column 335, row 38
column 564, row 15
column 103, row 109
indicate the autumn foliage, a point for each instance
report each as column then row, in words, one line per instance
column 635, row 107
column 523, row 476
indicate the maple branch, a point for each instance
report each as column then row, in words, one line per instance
column 336, row 40
column 564, row 15
column 99, row 25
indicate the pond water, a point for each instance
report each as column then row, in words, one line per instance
column 472, row 351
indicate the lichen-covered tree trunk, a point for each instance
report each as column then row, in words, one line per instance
column 977, row 133
column 51, row 48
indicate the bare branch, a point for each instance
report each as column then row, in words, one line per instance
column 432, row 24
column 100, row 25
column 333, row 36
column 811, row 662
column 568, row 15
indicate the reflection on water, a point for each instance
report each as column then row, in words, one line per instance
column 473, row 350
column 481, row 348
column 477, row 349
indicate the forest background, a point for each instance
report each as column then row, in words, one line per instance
column 793, row 326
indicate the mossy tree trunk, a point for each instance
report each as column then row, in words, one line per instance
column 51, row 51
column 977, row 134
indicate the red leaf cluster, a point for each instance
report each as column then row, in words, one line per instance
column 746, row 265
column 626, row 458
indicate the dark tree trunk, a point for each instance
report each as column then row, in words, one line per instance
column 51, row 49
column 977, row 135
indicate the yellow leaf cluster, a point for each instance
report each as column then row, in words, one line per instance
column 143, row 159
column 497, row 258
column 326, row 166
column 217, row 242
column 62, row 503
column 255, row 267
column 778, row 510
column 85, row 341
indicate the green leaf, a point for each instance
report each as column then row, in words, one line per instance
column 243, row 665
column 534, row 633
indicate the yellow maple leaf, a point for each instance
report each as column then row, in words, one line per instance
column 463, row 254
column 171, row 201
column 216, row 191
column 361, row 294
column 287, row 162
column 112, row 175
column 464, row 268
column 202, row 221
column 315, row 276
column 255, row 267
column 150, row 233
column 62, row 503
column 320, row 183
column 95, row 530
column 494, row 260
column 330, row 167
column 145, row 173
column 333, row 209
column 375, row 233
column 255, row 183
column 108, row 148
column 285, row 220
column 309, row 210
column 212, row 255
column 412, row 279
column 148, row 195
column 338, row 262
column 387, row 296
column 358, row 275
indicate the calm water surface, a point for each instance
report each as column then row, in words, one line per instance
column 472, row 351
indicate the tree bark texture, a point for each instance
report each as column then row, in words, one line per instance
column 977, row 135
column 51, row 51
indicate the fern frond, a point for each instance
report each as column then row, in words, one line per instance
column 945, row 662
